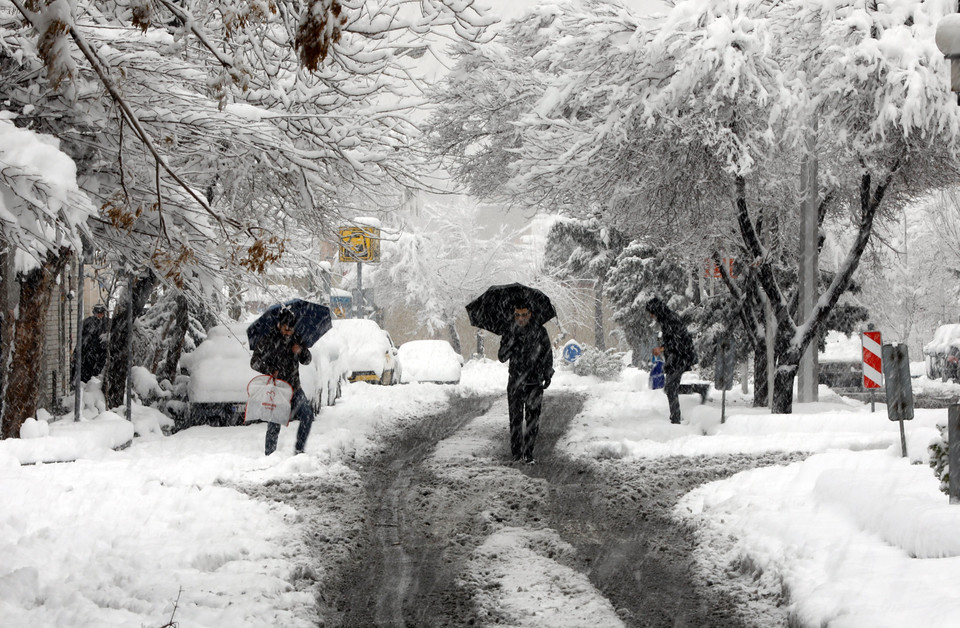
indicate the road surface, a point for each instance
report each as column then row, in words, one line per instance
column 410, row 518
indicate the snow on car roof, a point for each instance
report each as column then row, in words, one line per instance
column 839, row 347
column 944, row 337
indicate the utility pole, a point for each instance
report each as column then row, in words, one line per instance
column 808, row 376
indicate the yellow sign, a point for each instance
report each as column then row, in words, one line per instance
column 359, row 244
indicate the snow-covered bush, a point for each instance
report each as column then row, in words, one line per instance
column 939, row 461
column 606, row 365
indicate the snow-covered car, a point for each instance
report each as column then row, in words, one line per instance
column 840, row 364
column 429, row 361
column 942, row 354
column 219, row 371
column 369, row 352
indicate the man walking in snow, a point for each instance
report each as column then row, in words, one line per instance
column 93, row 346
column 280, row 354
column 678, row 352
column 528, row 349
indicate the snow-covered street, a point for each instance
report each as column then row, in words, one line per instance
column 166, row 528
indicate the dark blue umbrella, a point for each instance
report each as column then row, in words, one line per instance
column 313, row 321
column 493, row 310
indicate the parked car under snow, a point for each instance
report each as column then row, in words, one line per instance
column 219, row 371
column 369, row 352
column 942, row 354
column 840, row 364
column 429, row 361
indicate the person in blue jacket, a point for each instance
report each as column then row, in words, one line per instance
column 657, row 377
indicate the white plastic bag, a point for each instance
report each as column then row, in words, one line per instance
column 268, row 399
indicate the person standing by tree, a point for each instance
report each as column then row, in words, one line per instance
column 93, row 346
column 280, row 354
column 528, row 349
column 678, row 352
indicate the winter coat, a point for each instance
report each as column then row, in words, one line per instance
column 93, row 346
column 530, row 354
column 678, row 352
column 274, row 353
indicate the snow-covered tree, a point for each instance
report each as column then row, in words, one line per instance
column 910, row 277
column 438, row 265
column 210, row 134
column 42, row 220
column 584, row 248
column 692, row 129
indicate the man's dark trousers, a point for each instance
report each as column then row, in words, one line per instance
column 671, row 387
column 301, row 410
column 524, row 398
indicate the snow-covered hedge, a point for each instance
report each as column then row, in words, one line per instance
column 606, row 365
column 939, row 461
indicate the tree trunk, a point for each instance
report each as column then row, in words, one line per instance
column 8, row 304
column 115, row 374
column 760, row 388
column 234, row 299
column 167, row 370
column 454, row 337
column 783, row 388
column 24, row 377
column 598, row 333
column 788, row 359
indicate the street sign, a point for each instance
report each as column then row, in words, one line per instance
column 341, row 305
column 896, row 379
column 872, row 359
column 711, row 269
column 359, row 244
column 725, row 364
column 572, row 351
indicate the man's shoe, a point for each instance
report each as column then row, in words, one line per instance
column 297, row 452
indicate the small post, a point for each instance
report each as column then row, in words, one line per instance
column 480, row 343
column 359, row 304
column 903, row 441
column 724, row 366
column 130, row 351
column 78, row 351
column 953, row 449
column 873, row 401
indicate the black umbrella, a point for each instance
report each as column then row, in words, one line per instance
column 493, row 310
column 313, row 321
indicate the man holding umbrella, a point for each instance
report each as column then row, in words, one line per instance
column 527, row 347
column 279, row 353
column 517, row 313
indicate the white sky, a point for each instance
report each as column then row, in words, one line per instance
column 860, row 537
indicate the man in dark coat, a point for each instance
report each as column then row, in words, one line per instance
column 93, row 346
column 528, row 349
column 678, row 352
column 280, row 353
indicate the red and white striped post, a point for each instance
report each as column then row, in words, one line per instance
column 872, row 362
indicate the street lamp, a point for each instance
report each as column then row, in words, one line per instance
column 948, row 41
